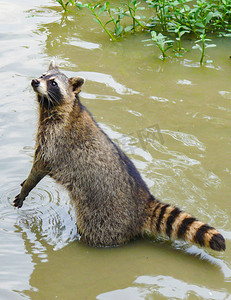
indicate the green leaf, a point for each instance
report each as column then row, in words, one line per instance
column 118, row 30
column 210, row 45
column 97, row 21
column 114, row 10
column 169, row 47
column 148, row 40
column 108, row 22
column 153, row 34
column 125, row 15
column 197, row 47
column 137, row 17
column 201, row 25
column 200, row 30
column 208, row 17
column 183, row 32
column 102, row 9
column 218, row 14
column 80, row 5
column 96, row 6
column 129, row 28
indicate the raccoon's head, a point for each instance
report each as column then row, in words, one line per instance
column 54, row 88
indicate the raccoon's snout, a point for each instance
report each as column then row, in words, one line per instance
column 35, row 83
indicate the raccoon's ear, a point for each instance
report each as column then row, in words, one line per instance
column 76, row 83
column 52, row 65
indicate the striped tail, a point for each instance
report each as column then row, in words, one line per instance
column 176, row 224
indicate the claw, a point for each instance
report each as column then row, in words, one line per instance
column 18, row 202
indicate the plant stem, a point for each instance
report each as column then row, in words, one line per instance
column 101, row 23
column 203, row 49
column 134, row 19
column 63, row 5
column 130, row 11
column 113, row 20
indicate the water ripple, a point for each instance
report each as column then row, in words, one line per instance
column 83, row 44
column 185, row 138
column 108, row 80
column 99, row 97
column 51, row 215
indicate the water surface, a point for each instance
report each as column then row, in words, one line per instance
column 172, row 119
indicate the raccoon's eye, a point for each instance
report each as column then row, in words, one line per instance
column 53, row 83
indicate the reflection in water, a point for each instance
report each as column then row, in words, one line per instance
column 87, row 272
column 83, row 44
column 186, row 162
column 184, row 82
column 166, row 286
column 109, row 81
column 99, row 97
column 145, row 287
column 192, row 64
column 225, row 94
column 226, row 270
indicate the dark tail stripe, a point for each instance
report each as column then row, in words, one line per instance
column 174, row 214
column 184, row 226
column 163, row 209
column 217, row 242
column 199, row 236
column 154, row 214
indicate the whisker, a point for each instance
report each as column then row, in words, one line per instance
column 53, row 96
column 50, row 100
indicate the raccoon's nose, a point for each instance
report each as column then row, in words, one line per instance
column 35, row 83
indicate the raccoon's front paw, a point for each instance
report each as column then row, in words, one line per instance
column 18, row 201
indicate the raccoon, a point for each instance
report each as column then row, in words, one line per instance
column 113, row 203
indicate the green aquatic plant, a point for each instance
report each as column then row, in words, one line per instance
column 180, row 31
column 133, row 6
column 204, row 45
column 97, row 10
column 162, row 9
column 64, row 5
column 116, row 15
column 176, row 18
column 162, row 42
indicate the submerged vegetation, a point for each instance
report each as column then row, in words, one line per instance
column 169, row 22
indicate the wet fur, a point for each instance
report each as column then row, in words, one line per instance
column 113, row 203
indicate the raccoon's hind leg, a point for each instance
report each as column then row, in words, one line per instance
column 168, row 220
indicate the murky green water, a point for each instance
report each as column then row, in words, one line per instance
column 172, row 119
